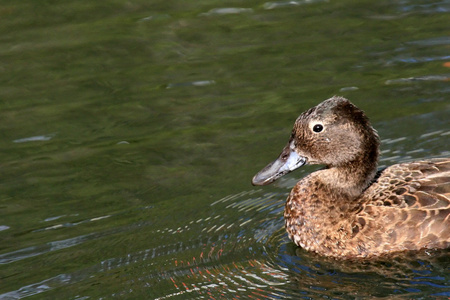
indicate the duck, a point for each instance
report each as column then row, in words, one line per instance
column 350, row 209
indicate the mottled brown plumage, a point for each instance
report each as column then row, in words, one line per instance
column 349, row 210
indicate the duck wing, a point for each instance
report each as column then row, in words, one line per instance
column 408, row 205
column 421, row 184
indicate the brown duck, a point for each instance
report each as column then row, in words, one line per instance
column 348, row 210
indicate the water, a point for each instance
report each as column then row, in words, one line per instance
column 131, row 130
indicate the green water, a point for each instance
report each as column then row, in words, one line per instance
column 130, row 132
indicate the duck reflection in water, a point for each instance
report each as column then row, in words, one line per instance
column 348, row 209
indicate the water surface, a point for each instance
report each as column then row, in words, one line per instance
column 131, row 130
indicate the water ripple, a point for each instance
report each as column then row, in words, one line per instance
column 227, row 11
column 410, row 80
column 45, row 248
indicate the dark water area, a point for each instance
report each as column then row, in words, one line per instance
column 130, row 131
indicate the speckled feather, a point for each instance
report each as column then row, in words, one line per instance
column 406, row 208
column 348, row 210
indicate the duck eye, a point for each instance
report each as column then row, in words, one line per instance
column 318, row 128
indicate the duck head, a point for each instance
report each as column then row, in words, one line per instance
column 335, row 133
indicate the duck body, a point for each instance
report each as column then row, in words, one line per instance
column 348, row 209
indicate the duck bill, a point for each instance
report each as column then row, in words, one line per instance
column 287, row 162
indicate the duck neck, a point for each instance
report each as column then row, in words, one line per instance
column 355, row 176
